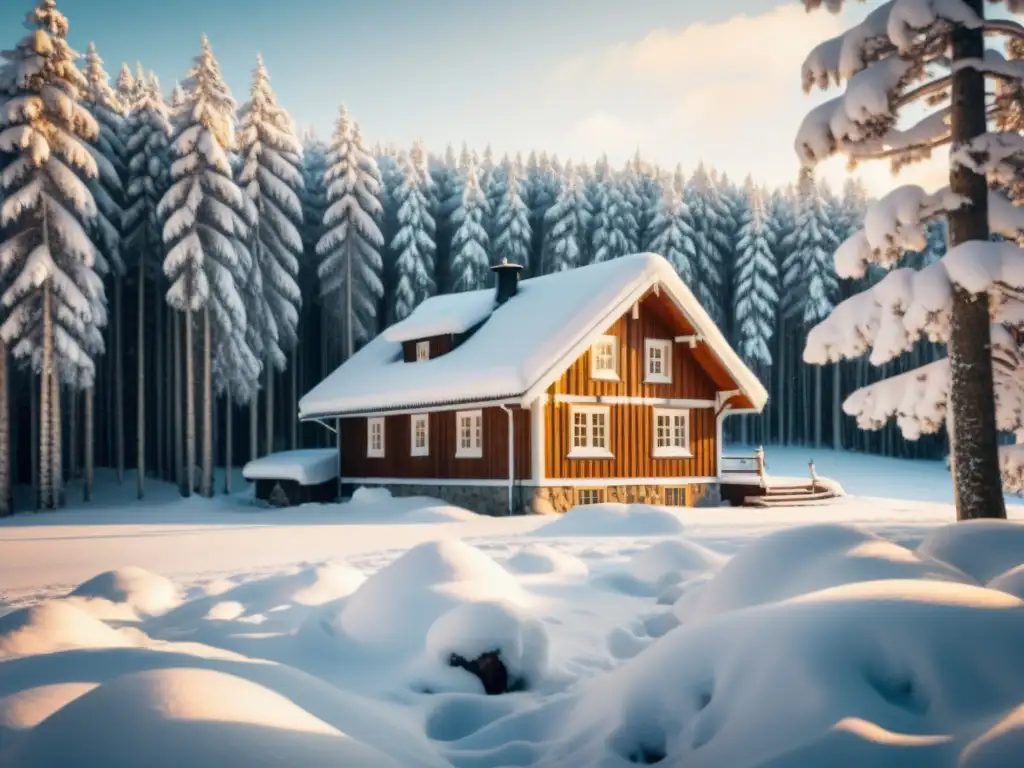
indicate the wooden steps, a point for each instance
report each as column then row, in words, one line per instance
column 791, row 496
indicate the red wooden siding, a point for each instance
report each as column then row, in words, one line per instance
column 441, row 463
column 630, row 427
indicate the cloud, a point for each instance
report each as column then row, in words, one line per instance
column 727, row 94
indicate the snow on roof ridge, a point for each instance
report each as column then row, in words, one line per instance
column 522, row 344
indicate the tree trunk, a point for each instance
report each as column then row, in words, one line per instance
column 269, row 410
column 57, row 468
column 179, row 442
column 780, row 400
column 254, row 432
column 819, row 407
column 36, row 440
column 293, row 415
column 228, row 434
column 207, row 489
column 190, row 408
column 5, row 438
column 140, row 407
column 118, row 379
column 158, row 374
column 72, row 434
column 46, row 499
column 972, row 397
column 90, row 418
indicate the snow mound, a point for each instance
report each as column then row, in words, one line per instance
column 25, row 709
column 439, row 513
column 1000, row 746
column 982, row 549
column 669, row 562
column 537, row 559
column 173, row 717
column 397, row 605
column 148, row 593
column 1011, row 582
column 473, row 629
column 795, row 561
column 53, row 626
column 776, row 679
column 364, row 495
column 310, row 466
column 614, row 520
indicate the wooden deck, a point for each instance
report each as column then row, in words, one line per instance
column 745, row 483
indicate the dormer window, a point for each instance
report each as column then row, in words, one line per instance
column 604, row 358
column 422, row 351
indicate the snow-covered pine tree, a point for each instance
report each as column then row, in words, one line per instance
column 544, row 187
column 147, row 136
column 125, row 88
column 205, row 229
column 756, row 288
column 54, row 298
column 783, row 223
column 900, row 55
column 446, row 186
column 271, row 179
column 567, row 225
column 629, row 181
column 513, row 237
column 614, row 226
column 351, row 266
column 470, row 261
column 413, row 244
column 108, row 192
column 649, row 190
column 391, row 180
column 672, row 233
column 712, row 242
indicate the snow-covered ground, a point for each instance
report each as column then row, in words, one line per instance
column 864, row 631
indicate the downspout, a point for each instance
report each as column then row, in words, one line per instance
column 511, row 454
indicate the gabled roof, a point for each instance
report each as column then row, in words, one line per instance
column 521, row 347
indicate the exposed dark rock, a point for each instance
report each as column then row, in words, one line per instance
column 489, row 669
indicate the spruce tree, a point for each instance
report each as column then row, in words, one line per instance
column 513, row 237
column 672, row 233
column 614, row 225
column 351, row 267
column 756, row 290
column 413, row 243
column 470, row 244
column 567, row 225
column 205, row 230
column 712, row 243
column 53, row 296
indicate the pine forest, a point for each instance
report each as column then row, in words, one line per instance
column 179, row 264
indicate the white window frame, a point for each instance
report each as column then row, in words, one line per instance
column 590, row 451
column 424, row 419
column 422, row 351
column 665, row 346
column 475, row 449
column 674, row 449
column 605, row 374
column 371, row 451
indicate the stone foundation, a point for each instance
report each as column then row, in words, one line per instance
column 548, row 500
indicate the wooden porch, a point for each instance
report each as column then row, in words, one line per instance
column 745, row 482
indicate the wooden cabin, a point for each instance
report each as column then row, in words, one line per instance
column 604, row 383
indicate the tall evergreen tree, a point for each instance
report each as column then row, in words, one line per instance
column 470, row 262
column 414, row 241
column 712, row 242
column 756, row 292
column 147, row 139
column 54, row 298
column 351, row 270
column 672, row 232
column 567, row 225
column 271, row 179
column 614, row 225
column 513, row 238
column 205, row 229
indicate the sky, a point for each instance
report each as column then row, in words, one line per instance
column 684, row 82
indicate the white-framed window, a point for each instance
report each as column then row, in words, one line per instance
column 586, row 496
column 422, row 351
column 590, row 432
column 604, row 358
column 375, row 438
column 469, row 434
column 420, row 434
column 657, row 361
column 671, row 432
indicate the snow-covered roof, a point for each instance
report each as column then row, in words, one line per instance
column 521, row 347
column 440, row 315
column 311, row 466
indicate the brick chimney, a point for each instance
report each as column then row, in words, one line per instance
column 506, row 280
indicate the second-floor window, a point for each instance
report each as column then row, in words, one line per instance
column 422, row 350
column 657, row 361
column 604, row 358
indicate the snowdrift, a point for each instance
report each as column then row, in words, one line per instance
column 614, row 520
